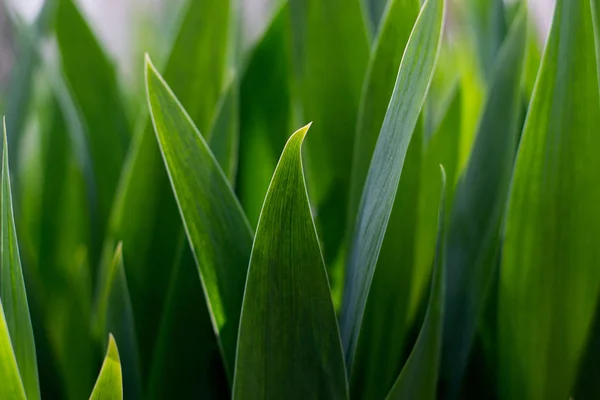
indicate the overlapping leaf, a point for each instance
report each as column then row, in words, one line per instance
column 549, row 268
column 289, row 344
column 382, row 180
column 109, row 385
column 12, row 386
column 474, row 231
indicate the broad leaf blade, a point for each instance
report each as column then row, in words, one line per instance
column 474, row 231
column 418, row 379
column 382, row 181
column 214, row 222
column 289, row 344
column 12, row 386
column 116, row 316
column 109, row 385
column 549, row 279
column 12, row 289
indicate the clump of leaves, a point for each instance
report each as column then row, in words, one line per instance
column 434, row 237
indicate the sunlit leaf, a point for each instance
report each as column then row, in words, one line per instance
column 12, row 289
column 109, row 385
column 382, row 180
column 219, row 234
column 289, row 343
column 418, row 379
column 12, row 386
column 549, row 271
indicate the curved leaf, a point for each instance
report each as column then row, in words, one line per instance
column 12, row 289
column 220, row 236
column 109, row 385
column 382, row 181
column 289, row 344
column 418, row 379
column 12, row 386
column 474, row 231
column 550, row 275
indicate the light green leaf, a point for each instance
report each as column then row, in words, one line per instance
column 382, row 181
column 116, row 316
column 12, row 386
column 109, row 385
column 266, row 113
column 474, row 231
column 12, row 289
column 330, row 55
column 550, row 275
column 145, row 216
column 418, row 379
column 220, row 236
column 289, row 344
column 397, row 24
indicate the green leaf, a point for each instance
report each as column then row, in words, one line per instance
column 266, row 114
column 382, row 181
column 93, row 85
column 389, row 47
column 109, row 385
column 12, row 386
column 418, row 379
column 12, row 289
column 549, row 277
column 375, row 10
column 338, row 49
column 215, row 224
column 488, row 25
column 289, row 344
column 145, row 216
column 116, row 316
column 474, row 231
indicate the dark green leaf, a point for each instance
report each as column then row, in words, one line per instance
column 549, row 277
column 382, row 180
column 374, row 10
column 418, row 379
column 289, row 344
column 109, row 385
column 474, row 231
column 215, row 224
column 12, row 289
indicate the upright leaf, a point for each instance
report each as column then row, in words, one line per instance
column 93, row 84
column 12, row 386
column 374, row 10
column 12, row 289
column 144, row 215
column 116, row 316
column 474, row 231
column 550, row 272
column 488, row 24
column 109, row 385
column 418, row 379
column 330, row 57
column 382, row 180
column 215, row 224
column 266, row 114
column 289, row 343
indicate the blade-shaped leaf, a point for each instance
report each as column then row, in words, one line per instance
column 336, row 48
column 289, row 343
column 266, row 113
column 382, row 180
column 116, row 316
column 12, row 386
column 488, row 23
column 550, row 275
column 474, row 231
column 418, row 379
column 109, row 385
column 145, row 215
column 220, row 236
column 397, row 24
column 12, row 289
column 375, row 9
column 93, row 84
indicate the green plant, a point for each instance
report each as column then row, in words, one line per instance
column 433, row 238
